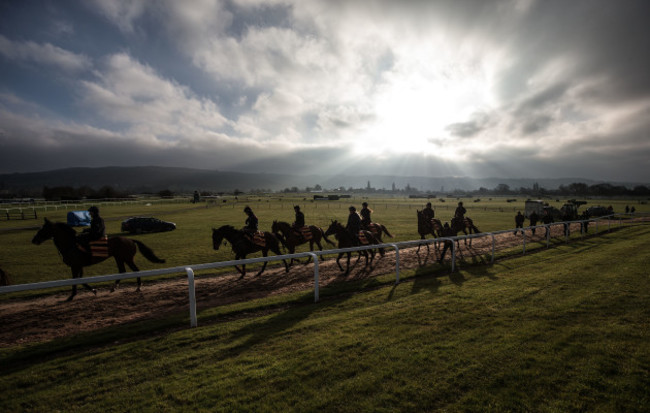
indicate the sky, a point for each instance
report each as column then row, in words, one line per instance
column 482, row 88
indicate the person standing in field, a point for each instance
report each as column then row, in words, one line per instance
column 519, row 222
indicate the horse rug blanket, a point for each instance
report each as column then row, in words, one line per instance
column 304, row 232
column 362, row 238
column 99, row 248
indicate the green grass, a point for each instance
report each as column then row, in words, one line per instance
column 191, row 242
column 564, row 329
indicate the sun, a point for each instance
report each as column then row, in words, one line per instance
column 412, row 115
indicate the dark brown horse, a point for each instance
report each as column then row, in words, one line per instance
column 242, row 245
column 465, row 225
column 120, row 248
column 292, row 239
column 428, row 226
column 347, row 240
column 378, row 230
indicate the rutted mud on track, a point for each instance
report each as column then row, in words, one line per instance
column 43, row 319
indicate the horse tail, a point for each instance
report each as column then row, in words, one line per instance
column 148, row 252
column 385, row 230
column 322, row 233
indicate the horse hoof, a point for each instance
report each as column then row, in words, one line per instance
column 94, row 292
column 137, row 290
column 112, row 289
column 69, row 298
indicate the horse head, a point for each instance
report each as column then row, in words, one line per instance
column 333, row 228
column 44, row 233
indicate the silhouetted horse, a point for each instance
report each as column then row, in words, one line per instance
column 428, row 226
column 120, row 248
column 292, row 239
column 347, row 240
column 377, row 230
column 242, row 245
column 464, row 224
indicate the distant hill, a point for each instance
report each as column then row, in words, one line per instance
column 157, row 178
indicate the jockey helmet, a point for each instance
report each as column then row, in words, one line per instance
column 428, row 204
column 365, row 204
column 352, row 209
column 248, row 209
column 93, row 209
column 296, row 207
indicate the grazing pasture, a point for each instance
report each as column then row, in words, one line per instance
column 563, row 329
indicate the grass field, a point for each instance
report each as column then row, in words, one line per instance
column 564, row 329
column 191, row 242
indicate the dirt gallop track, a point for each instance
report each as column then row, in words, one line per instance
column 45, row 318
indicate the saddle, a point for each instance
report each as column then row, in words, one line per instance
column 305, row 233
column 99, row 248
column 257, row 238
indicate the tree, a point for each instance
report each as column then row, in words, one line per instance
column 503, row 189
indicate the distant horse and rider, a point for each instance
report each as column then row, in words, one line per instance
column 294, row 236
column 347, row 239
column 244, row 244
column 76, row 256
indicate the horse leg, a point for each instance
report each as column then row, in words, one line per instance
column 121, row 269
column 347, row 270
column 338, row 262
column 276, row 251
column 75, row 274
column 264, row 254
column 242, row 271
column 134, row 268
column 419, row 245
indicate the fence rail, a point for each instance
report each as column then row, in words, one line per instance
column 190, row 269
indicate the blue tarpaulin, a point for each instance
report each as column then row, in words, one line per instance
column 79, row 218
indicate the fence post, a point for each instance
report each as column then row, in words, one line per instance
column 315, row 259
column 396, row 262
column 493, row 247
column 192, row 295
column 453, row 256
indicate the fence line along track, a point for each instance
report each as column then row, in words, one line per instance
column 190, row 269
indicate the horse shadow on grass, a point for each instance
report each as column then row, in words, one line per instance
column 276, row 325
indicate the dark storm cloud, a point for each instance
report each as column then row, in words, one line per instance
column 541, row 88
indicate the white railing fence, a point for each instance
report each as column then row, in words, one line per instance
column 190, row 269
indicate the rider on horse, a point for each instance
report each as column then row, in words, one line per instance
column 300, row 219
column 252, row 222
column 460, row 211
column 365, row 216
column 354, row 223
column 428, row 213
column 96, row 231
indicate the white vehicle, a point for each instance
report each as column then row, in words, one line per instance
column 534, row 205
